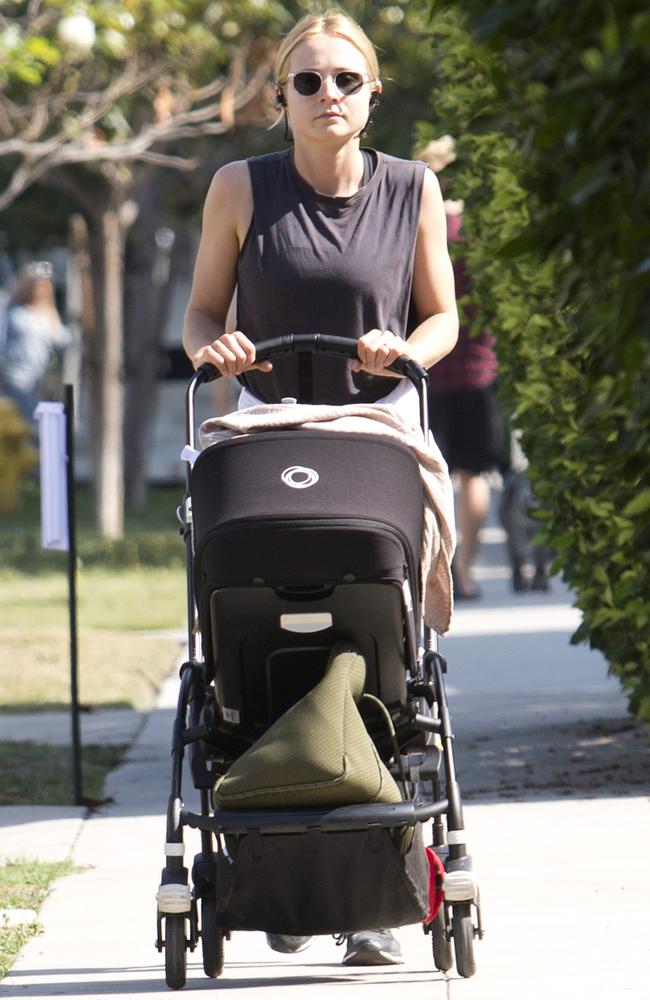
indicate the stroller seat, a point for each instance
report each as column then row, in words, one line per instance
column 308, row 566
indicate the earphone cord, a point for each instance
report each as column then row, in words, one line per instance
column 287, row 135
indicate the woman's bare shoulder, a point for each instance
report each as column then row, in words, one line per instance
column 230, row 197
column 231, row 180
column 432, row 209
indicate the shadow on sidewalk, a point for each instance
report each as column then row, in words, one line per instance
column 596, row 758
column 150, row 979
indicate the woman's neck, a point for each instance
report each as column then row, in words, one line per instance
column 336, row 172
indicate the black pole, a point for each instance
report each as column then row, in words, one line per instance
column 72, row 596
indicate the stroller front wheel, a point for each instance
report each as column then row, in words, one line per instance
column 175, row 954
column 440, row 943
column 462, row 928
column 211, row 939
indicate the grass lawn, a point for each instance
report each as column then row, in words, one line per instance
column 127, row 591
column 130, row 593
column 121, row 658
column 24, row 885
column 39, row 774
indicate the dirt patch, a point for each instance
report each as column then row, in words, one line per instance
column 605, row 757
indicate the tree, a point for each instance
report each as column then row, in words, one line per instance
column 93, row 104
column 97, row 102
column 548, row 101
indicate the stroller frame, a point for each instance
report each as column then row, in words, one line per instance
column 187, row 909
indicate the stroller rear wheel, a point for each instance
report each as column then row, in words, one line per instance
column 462, row 928
column 175, row 955
column 440, row 943
column 211, row 939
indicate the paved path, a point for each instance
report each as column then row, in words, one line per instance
column 556, row 781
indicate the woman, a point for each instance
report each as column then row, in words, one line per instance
column 325, row 237
column 33, row 332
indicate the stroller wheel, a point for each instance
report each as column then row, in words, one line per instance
column 442, row 954
column 211, row 939
column 175, row 956
column 462, row 928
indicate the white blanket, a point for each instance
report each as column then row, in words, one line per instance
column 439, row 537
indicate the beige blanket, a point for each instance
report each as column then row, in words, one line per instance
column 439, row 538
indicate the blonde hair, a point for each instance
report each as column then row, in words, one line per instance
column 332, row 22
column 439, row 153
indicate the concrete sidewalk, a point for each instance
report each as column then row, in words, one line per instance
column 50, row 832
column 556, row 781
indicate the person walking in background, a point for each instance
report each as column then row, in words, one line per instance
column 517, row 507
column 464, row 414
column 33, row 331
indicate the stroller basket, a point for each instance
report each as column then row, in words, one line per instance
column 331, row 878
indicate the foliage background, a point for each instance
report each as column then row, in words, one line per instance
column 548, row 102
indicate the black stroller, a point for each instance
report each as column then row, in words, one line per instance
column 275, row 578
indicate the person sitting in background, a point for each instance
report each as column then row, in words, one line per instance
column 33, row 332
column 464, row 414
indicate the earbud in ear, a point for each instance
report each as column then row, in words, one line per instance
column 280, row 99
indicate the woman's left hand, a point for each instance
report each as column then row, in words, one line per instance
column 377, row 350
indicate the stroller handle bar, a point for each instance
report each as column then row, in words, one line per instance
column 311, row 343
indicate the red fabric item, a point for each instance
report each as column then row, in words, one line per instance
column 472, row 364
column 436, row 875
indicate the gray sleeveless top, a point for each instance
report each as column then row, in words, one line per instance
column 317, row 264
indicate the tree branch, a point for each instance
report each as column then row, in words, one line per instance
column 168, row 160
column 192, row 115
column 23, row 177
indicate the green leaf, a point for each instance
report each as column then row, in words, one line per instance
column 638, row 505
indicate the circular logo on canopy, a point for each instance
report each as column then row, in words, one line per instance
column 298, row 477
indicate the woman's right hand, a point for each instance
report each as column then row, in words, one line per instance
column 232, row 353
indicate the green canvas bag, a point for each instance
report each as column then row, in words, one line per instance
column 318, row 753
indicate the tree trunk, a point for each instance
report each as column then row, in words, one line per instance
column 147, row 291
column 80, row 306
column 109, row 404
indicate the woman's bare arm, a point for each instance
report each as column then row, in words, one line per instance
column 433, row 293
column 227, row 214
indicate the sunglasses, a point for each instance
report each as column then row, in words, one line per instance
column 308, row 82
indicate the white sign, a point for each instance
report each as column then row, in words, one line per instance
column 53, row 466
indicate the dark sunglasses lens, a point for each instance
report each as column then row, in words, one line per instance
column 349, row 82
column 307, row 83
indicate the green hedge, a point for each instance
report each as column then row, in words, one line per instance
column 152, row 537
column 549, row 102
